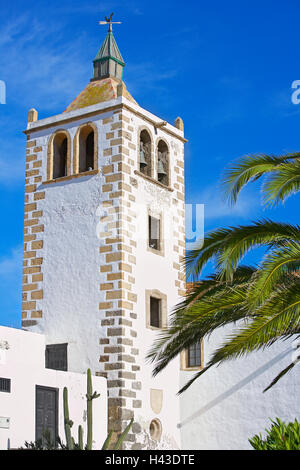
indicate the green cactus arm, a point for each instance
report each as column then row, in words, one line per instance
column 80, row 437
column 123, row 435
column 107, row 441
column 67, row 422
column 89, row 410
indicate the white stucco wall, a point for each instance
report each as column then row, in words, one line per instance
column 24, row 364
column 226, row 406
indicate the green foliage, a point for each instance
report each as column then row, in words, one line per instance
column 280, row 436
column 45, row 443
column 264, row 300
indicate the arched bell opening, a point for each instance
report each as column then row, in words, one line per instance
column 145, row 163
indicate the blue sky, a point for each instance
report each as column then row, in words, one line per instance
column 225, row 67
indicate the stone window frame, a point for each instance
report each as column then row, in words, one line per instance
column 140, row 129
column 161, row 251
column 184, row 359
column 76, row 148
column 164, row 309
column 50, row 154
column 169, row 161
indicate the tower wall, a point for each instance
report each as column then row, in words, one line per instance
column 87, row 269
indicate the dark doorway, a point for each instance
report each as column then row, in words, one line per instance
column 46, row 412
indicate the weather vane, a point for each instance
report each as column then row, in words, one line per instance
column 109, row 22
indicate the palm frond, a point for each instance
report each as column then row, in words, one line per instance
column 279, row 376
column 196, row 321
column 211, row 285
column 278, row 267
column 247, row 237
column 250, row 168
column 278, row 317
column 192, row 380
column 196, row 259
column 227, row 246
column 282, row 183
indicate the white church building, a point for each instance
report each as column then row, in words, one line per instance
column 104, row 237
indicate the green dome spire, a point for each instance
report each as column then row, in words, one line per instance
column 109, row 61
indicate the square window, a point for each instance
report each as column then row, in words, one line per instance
column 155, row 312
column 154, row 233
column 57, row 356
column 4, row 385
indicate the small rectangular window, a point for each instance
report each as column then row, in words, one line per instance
column 4, row 385
column 57, row 356
column 154, row 233
column 194, row 355
column 155, row 312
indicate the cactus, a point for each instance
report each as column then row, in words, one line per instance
column 123, row 436
column 90, row 396
column 89, row 411
column 67, row 422
column 80, row 437
column 120, row 440
column 107, row 441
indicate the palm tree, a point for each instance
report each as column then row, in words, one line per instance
column 262, row 304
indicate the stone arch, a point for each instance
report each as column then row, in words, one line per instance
column 145, row 137
column 59, row 155
column 85, row 148
column 163, row 155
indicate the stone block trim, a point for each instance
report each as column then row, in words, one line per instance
column 179, row 221
column 118, row 250
column 118, row 299
column 33, row 237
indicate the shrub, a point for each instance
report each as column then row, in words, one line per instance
column 280, row 436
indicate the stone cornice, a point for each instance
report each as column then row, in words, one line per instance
column 124, row 104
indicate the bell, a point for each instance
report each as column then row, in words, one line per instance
column 160, row 171
column 143, row 162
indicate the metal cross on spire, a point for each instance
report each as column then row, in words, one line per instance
column 109, row 22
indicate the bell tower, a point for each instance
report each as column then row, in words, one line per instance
column 103, row 240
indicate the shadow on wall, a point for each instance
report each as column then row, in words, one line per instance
column 235, row 388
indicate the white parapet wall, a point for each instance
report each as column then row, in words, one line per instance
column 22, row 360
